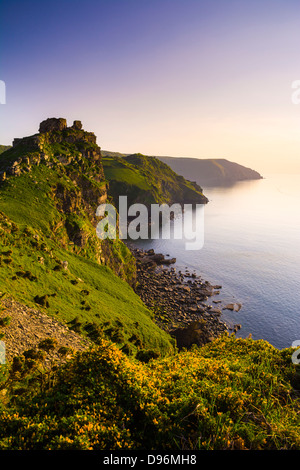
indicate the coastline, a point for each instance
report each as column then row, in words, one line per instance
column 183, row 304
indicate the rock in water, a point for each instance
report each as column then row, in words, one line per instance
column 234, row 307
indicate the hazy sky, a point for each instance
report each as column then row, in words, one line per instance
column 207, row 79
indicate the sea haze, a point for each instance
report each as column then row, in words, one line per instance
column 251, row 248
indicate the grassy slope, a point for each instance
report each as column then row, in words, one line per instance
column 147, row 180
column 120, row 171
column 3, row 148
column 38, row 230
column 205, row 171
column 86, row 291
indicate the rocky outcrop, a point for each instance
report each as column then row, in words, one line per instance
column 77, row 187
column 150, row 258
column 53, row 124
column 36, row 149
column 77, row 125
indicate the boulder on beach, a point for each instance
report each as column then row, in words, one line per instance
column 156, row 259
column 236, row 307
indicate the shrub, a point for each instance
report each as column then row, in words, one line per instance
column 5, row 321
column 94, row 331
column 34, row 354
column 42, row 300
column 75, row 324
column 229, row 394
column 48, row 344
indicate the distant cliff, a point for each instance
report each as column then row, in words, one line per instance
column 210, row 172
column 203, row 171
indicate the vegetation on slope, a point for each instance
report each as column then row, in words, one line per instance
column 148, row 180
column 230, row 394
column 50, row 255
column 74, row 289
column 202, row 172
column 3, row 148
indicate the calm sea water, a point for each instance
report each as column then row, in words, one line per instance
column 252, row 248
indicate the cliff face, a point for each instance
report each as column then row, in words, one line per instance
column 67, row 163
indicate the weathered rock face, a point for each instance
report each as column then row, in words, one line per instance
column 35, row 148
column 82, row 165
column 53, row 124
column 77, row 125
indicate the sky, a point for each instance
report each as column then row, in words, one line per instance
column 182, row 78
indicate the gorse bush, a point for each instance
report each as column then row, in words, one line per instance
column 230, row 394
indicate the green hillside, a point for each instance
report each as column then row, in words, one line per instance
column 148, row 180
column 204, row 172
column 50, row 256
column 3, row 148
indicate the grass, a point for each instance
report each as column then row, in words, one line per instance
column 148, row 180
column 86, row 290
column 119, row 170
column 21, row 199
column 48, row 218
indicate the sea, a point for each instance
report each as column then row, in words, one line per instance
column 251, row 247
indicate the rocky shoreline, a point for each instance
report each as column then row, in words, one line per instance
column 183, row 303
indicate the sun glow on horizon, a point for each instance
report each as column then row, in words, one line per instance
column 171, row 78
